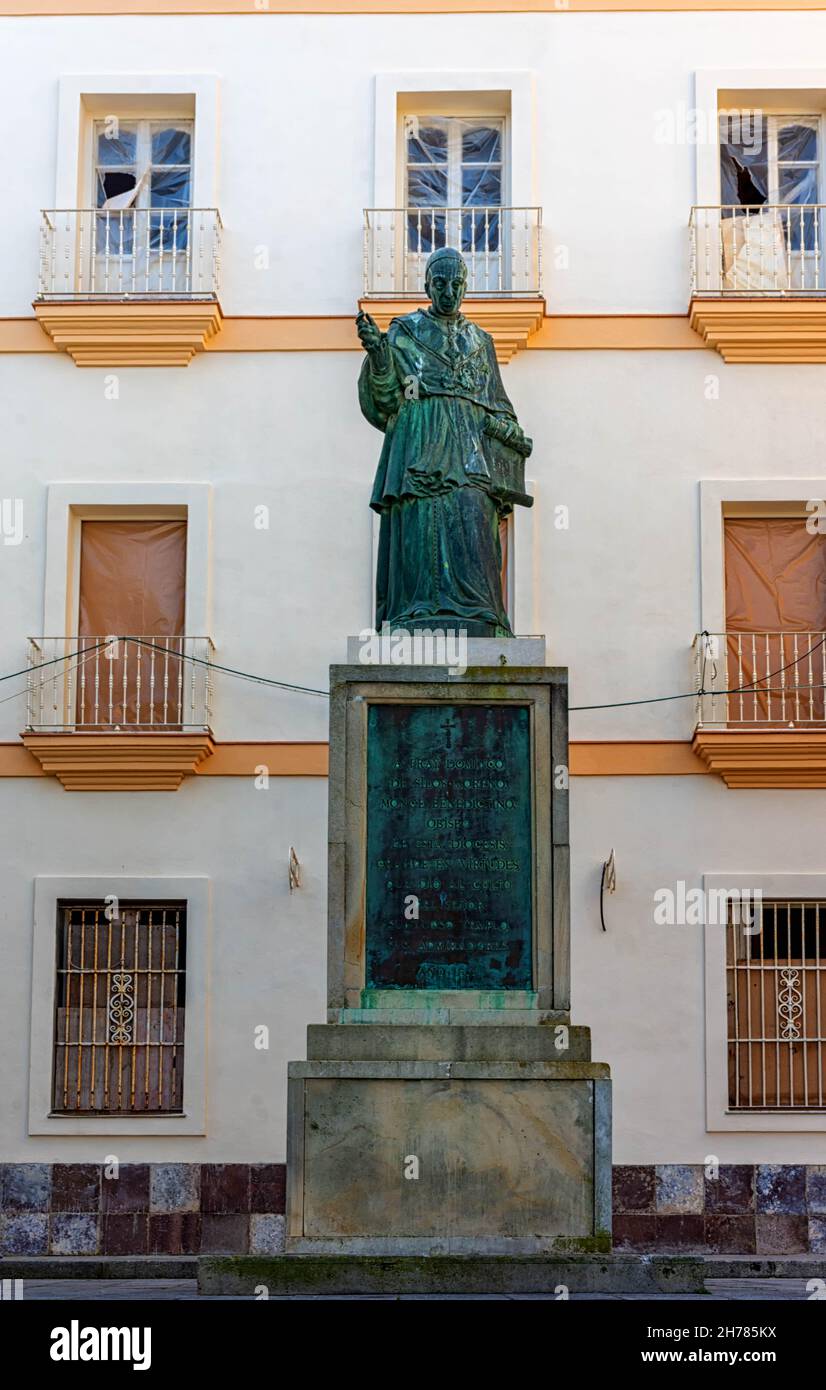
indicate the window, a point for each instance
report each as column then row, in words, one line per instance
column 143, row 190
column 776, row 997
column 132, row 585
column 775, row 583
column 454, row 163
column 119, row 1008
column 770, row 191
column 769, row 159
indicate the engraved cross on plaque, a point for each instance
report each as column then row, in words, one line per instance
column 449, row 725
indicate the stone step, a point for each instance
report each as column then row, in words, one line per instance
column 434, row 1042
column 303, row 1275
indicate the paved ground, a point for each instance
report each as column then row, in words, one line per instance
column 146, row 1290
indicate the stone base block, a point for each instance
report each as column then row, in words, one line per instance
column 456, row 1042
column 481, row 651
column 448, row 1156
column 322, row 1274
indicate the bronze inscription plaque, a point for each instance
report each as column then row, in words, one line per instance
column 449, row 847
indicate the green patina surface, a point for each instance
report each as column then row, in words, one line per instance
column 432, row 999
column 452, row 465
column 449, row 851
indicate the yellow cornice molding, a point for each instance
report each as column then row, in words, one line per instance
column 105, row 334
column 119, row 762
column 329, row 333
column 762, row 330
column 779, row 758
column 110, row 8
column 630, row 758
column 650, row 758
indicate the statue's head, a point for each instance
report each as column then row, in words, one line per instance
column 445, row 281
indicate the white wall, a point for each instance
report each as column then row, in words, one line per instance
column 621, row 440
column 268, row 945
column 640, row 986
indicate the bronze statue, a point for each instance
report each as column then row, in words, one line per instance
column 452, row 465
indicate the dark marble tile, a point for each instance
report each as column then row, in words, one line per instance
column 128, row 1192
column 634, row 1232
column 680, row 1233
column 225, row 1235
column 75, row 1187
column 782, row 1235
column 731, row 1235
column 225, row 1188
column 732, row 1191
column 268, row 1187
column 125, row 1234
column 634, row 1187
column 174, row 1233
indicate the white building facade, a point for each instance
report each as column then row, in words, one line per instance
column 196, row 203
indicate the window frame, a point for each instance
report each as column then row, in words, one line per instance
column 720, row 499
column 49, row 891
column 467, row 92
column 84, row 97
column 69, row 504
column 719, row 1118
column 90, row 999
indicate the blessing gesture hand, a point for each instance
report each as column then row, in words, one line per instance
column 372, row 338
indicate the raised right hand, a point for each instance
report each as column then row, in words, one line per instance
column 372, row 338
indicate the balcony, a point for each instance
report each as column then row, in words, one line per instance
column 761, row 711
column 119, row 713
column 502, row 248
column 135, row 287
column 758, row 281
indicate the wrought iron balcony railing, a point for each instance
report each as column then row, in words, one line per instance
column 748, row 679
column 133, row 253
column 501, row 246
column 118, row 684
column 774, row 249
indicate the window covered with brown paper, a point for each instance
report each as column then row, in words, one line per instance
column 132, row 584
column 775, row 620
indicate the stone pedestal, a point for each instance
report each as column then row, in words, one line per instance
column 448, row 1105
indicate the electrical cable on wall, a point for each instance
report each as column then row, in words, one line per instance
column 758, row 685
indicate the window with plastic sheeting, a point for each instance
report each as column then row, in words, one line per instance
column 776, row 997
column 772, row 233
column 454, row 163
column 143, row 193
column 120, row 1003
column 132, row 585
column 775, row 620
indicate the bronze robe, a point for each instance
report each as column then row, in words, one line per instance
column 439, row 562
